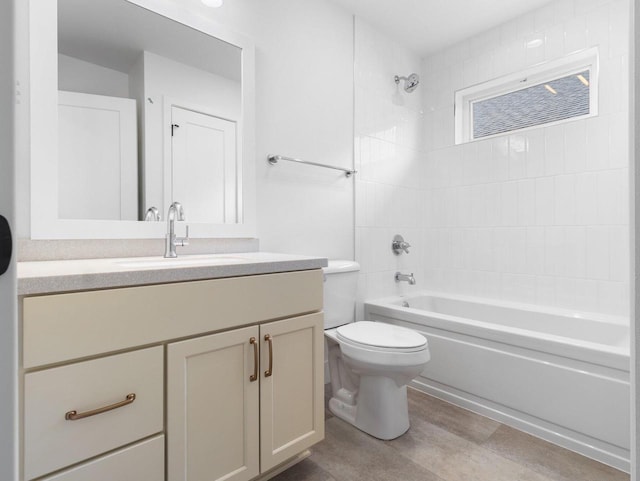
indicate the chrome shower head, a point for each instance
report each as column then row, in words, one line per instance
column 410, row 83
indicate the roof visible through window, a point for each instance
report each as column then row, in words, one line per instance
column 547, row 102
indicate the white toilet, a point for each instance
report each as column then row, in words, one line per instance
column 370, row 363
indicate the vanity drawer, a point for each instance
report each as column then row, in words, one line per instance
column 116, row 319
column 141, row 462
column 52, row 441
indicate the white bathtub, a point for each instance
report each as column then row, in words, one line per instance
column 560, row 375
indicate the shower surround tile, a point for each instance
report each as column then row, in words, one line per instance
column 569, row 180
column 390, row 193
column 564, row 186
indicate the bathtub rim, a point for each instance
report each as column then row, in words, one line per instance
column 595, row 316
column 607, row 355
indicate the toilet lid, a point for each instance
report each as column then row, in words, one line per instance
column 381, row 335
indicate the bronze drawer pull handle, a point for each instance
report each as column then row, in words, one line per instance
column 254, row 376
column 74, row 415
column 269, row 339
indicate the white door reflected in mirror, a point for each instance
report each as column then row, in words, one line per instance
column 204, row 165
column 98, row 157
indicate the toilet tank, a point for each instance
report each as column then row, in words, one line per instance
column 340, row 288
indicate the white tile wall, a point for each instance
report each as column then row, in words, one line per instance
column 390, row 194
column 539, row 216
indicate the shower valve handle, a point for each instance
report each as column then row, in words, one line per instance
column 399, row 245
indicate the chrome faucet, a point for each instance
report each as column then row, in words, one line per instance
column 152, row 214
column 398, row 245
column 404, row 277
column 176, row 212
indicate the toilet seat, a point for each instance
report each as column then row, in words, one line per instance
column 377, row 336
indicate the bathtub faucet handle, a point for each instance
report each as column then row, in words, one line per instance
column 399, row 245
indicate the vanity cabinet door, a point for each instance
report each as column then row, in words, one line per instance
column 212, row 407
column 292, row 393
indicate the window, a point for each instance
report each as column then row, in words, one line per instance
column 555, row 92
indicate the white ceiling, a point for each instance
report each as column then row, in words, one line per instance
column 427, row 26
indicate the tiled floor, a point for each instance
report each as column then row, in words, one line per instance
column 445, row 443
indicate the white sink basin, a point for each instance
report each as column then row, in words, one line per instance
column 185, row 261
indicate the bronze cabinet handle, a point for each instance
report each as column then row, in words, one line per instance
column 75, row 415
column 269, row 339
column 254, row 376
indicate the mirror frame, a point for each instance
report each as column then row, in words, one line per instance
column 43, row 68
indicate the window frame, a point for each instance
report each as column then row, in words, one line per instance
column 539, row 74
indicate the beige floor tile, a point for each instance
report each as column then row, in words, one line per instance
column 454, row 458
column 430, row 445
column 444, row 443
column 463, row 423
column 351, row 455
column 479, row 464
column 306, row 470
column 548, row 459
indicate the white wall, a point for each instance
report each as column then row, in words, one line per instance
column 75, row 75
column 540, row 216
column 304, row 109
column 389, row 160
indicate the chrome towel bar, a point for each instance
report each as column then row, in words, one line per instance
column 274, row 159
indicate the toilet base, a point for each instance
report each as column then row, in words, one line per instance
column 381, row 409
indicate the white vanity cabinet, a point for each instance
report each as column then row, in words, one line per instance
column 240, row 403
column 185, row 350
column 212, row 408
column 142, row 461
column 130, row 384
column 292, row 398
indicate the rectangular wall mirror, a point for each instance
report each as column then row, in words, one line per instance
column 151, row 104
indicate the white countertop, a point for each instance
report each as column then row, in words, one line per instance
column 48, row 277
